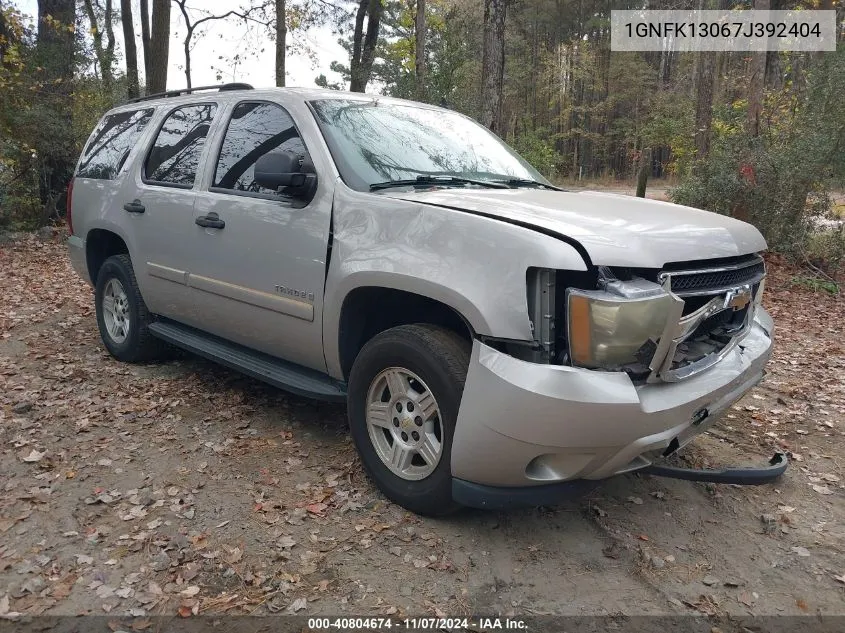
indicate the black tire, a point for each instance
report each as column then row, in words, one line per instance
column 440, row 358
column 139, row 345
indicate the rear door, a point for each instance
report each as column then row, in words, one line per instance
column 265, row 269
column 159, row 204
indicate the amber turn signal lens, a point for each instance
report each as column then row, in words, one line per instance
column 580, row 329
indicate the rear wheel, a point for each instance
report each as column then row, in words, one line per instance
column 122, row 315
column 404, row 392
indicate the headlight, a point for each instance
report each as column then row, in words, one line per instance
column 607, row 331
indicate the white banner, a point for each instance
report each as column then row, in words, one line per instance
column 648, row 30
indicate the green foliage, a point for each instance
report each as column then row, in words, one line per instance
column 815, row 284
column 535, row 147
column 780, row 181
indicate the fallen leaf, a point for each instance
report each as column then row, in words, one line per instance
column 635, row 500
column 190, row 592
column 286, row 542
column 34, row 456
column 234, row 555
column 298, row 605
column 822, row 490
column 316, row 508
column 801, row 551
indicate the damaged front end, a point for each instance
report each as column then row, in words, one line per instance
column 655, row 325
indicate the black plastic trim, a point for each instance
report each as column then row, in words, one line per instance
column 283, row 374
column 743, row 476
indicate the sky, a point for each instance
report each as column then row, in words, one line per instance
column 226, row 38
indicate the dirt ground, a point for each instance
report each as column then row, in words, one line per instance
column 182, row 487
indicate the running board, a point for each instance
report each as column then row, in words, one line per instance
column 279, row 373
column 743, row 476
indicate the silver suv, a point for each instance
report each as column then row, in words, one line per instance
column 498, row 341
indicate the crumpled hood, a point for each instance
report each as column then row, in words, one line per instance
column 615, row 230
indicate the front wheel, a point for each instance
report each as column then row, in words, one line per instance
column 404, row 392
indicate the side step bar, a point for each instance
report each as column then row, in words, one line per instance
column 741, row 476
column 279, row 373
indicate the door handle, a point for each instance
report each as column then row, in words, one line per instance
column 134, row 207
column 211, row 221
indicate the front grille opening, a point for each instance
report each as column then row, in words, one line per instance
column 710, row 337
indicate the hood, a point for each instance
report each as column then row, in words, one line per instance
column 615, row 230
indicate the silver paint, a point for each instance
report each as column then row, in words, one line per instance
column 529, row 423
column 547, row 423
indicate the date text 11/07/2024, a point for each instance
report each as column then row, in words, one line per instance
column 417, row 624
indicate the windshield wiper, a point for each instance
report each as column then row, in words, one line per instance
column 525, row 182
column 437, row 180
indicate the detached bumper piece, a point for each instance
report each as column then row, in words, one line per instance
column 740, row 476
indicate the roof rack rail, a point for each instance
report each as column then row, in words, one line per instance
column 187, row 91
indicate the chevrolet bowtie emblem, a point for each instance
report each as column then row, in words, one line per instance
column 738, row 298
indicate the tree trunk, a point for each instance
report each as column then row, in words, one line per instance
column 493, row 64
column 131, row 51
column 159, row 47
column 364, row 44
column 4, row 37
column 103, row 53
column 705, row 65
column 419, row 50
column 54, row 51
column 757, row 81
column 281, row 41
column 645, row 171
column 145, row 41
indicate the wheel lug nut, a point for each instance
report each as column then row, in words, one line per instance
column 404, row 436
column 410, row 406
column 399, row 406
column 418, row 421
column 395, row 421
column 415, row 435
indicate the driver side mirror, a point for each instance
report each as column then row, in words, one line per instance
column 283, row 170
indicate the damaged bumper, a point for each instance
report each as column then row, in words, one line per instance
column 535, row 431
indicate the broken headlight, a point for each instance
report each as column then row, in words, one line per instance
column 618, row 326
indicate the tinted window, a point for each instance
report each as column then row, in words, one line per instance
column 111, row 143
column 255, row 129
column 178, row 146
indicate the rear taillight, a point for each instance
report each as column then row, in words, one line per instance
column 69, row 207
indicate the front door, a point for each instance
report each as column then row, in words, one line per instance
column 258, row 255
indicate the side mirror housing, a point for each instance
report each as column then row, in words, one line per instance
column 283, row 170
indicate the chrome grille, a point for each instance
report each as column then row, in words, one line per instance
column 719, row 302
column 710, row 281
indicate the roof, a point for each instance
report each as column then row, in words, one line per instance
column 224, row 93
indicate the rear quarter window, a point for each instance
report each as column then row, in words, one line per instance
column 110, row 144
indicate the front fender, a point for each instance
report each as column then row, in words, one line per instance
column 474, row 264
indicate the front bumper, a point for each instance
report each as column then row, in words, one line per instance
column 523, row 425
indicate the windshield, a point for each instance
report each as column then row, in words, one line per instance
column 375, row 142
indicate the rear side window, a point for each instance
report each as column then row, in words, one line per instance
column 111, row 142
column 175, row 155
column 254, row 130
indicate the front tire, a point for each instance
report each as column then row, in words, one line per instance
column 404, row 392
column 122, row 315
